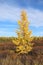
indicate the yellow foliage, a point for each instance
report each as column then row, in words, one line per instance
column 16, row 42
column 24, row 48
column 23, row 43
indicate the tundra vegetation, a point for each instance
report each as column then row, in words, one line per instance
column 23, row 50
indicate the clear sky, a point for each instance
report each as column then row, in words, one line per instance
column 10, row 14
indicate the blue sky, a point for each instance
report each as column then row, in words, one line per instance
column 10, row 13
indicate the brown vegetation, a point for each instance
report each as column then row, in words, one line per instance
column 9, row 57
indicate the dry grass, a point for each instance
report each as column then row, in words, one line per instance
column 9, row 57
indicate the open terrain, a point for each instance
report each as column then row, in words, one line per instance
column 8, row 56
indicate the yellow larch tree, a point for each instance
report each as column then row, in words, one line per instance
column 23, row 43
